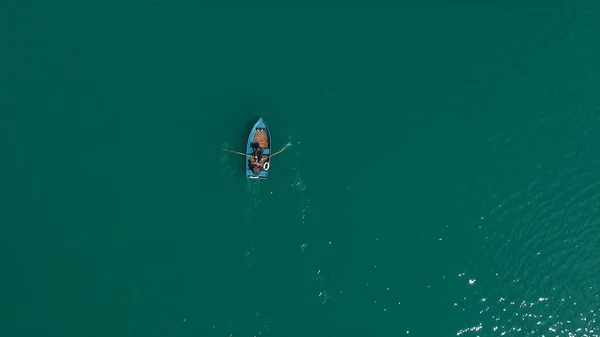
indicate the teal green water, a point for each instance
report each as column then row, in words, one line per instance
column 442, row 175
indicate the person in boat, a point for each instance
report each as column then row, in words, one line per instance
column 257, row 152
column 255, row 158
column 256, row 169
column 260, row 157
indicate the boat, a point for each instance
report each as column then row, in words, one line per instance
column 258, row 146
column 259, row 135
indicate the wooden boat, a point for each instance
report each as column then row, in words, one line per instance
column 259, row 135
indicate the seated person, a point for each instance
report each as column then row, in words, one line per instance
column 258, row 151
column 255, row 165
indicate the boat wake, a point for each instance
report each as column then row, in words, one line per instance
column 230, row 169
column 253, row 192
column 253, row 189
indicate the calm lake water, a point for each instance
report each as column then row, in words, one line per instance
column 441, row 176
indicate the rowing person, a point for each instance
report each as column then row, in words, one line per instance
column 257, row 153
column 261, row 158
column 255, row 159
column 253, row 165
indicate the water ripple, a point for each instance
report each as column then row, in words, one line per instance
column 538, row 227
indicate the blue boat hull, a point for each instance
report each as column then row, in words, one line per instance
column 258, row 133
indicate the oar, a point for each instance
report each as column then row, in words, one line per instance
column 278, row 152
column 241, row 154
